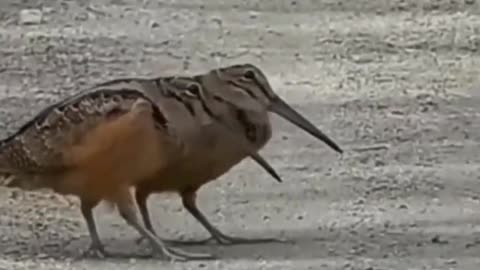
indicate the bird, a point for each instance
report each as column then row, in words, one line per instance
column 242, row 97
column 182, row 133
column 96, row 144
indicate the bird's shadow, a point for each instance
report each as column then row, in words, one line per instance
column 375, row 242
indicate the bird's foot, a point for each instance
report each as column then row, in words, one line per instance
column 96, row 251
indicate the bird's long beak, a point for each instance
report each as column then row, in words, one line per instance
column 281, row 108
column 266, row 166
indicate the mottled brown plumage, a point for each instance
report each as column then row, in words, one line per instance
column 180, row 132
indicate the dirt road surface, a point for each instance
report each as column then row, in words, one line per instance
column 395, row 83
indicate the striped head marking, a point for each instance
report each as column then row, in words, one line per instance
column 243, row 85
column 186, row 88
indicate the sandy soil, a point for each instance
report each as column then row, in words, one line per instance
column 394, row 82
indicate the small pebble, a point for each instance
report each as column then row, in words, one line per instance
column 437, row 240
column 30, row 16
column 451, row 262
column 42, row 256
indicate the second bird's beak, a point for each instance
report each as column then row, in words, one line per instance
column 281, row 108
column 266, row 166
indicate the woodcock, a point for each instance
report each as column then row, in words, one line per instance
column 191, row 109
column 241, row 96
column 100, row 142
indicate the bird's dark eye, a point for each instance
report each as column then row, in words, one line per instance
column 217, row 98
column 194, row 89
column 249, row 74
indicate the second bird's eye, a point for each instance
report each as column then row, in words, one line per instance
column 249, row 74
column 194, row 89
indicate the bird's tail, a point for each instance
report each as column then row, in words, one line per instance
column 8, row 175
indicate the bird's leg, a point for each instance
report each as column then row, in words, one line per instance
column 189, row 202
column 127, row 211
column 96, row 248
column 141, row 199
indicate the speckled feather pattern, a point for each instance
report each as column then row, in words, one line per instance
column 39, row 145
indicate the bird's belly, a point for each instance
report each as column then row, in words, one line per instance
column 205, row 160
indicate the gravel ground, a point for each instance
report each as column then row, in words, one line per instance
column 393, row 82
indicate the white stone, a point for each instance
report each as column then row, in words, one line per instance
column 30, row 16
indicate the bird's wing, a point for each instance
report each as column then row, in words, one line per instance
column 40, row 144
